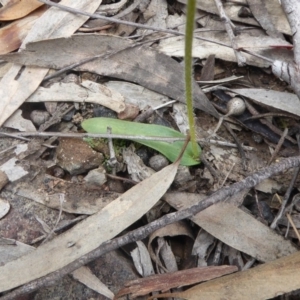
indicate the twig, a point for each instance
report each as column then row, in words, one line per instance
column 144, row 231
column 271, row 114
column 91, row 135
column 61, row 200
column 293, row 225
column 112, row 154
column 122, row 179
column 57, row 229
column 115, row 136
column 239, row 146
column 228, row 173
column 279, row 145
column 212, row 171
column 23, row 139
column 241, row 60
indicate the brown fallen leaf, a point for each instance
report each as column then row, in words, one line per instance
column 263, row 282
column 141, row 65
column 16, row 9
column 167, row 281
column 12, row 35
column 90, row 233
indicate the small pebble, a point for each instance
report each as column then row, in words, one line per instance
column 39, row 117
column 158, row 162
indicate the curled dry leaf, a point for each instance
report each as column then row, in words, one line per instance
column 174, row 229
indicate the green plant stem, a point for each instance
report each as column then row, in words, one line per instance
column 190, row 20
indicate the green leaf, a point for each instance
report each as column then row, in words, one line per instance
column 170, row 150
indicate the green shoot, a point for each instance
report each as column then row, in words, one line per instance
column 190, row 20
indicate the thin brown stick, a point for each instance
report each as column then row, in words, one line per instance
column 144, row 231
column 76, row 135
column 91, row 135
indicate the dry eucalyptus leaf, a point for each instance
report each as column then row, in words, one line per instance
column 90, row 233
column 141, row 65
column 88, row 91
column 136, row 94
column 156, row 15
column 12, row 249
column 144, row 286
column 283, row 101
column 235, row 228
column 141, row 259
column 200, row 248
column 263, row 282
column 16, row 9
column 12, row 35
column 85, row 276
column 260, row 44
column 271, row 16
column 19, row 83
